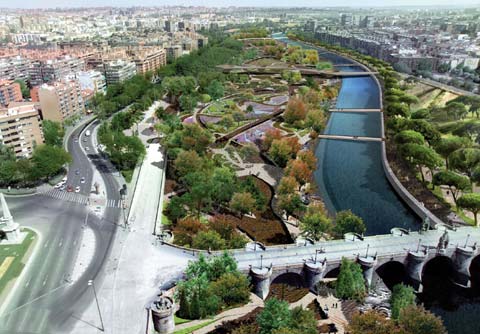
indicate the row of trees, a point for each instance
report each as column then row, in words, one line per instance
column 211, row 285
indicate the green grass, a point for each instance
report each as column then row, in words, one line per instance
column 179, row 321
column 128, row 174
column 18, row 251
column 194, row 328
column 19, row 191
column 165, row 220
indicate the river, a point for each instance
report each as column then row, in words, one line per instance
column 350, row 174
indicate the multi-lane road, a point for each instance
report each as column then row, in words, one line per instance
column 45, row 299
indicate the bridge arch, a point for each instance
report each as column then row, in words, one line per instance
column 332, row 272
column 392, row 273
column 289, row 278
column 438, row 276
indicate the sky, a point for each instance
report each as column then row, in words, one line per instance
column 238, row 3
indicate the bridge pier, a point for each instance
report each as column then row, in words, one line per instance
column 462, row 260
column 415, row 263
column 261, row 281
column 368, row 264
column 313, row 273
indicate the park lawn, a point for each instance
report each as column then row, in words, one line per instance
column 194, row 328
column 179, row 321
column 128, row 174
column 17, row 252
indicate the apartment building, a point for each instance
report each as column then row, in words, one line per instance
column 119, row 71
column 15, row 67
column 61, row 100
column 44, row 71
column 92, row 80
column 9, row 92
column 20, row 128
column 148, row 59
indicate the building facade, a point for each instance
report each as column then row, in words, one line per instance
column 119, row 71
column 61, row 100
column 20, row 128
column 9, row 92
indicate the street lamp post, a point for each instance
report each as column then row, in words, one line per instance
column 92, row 284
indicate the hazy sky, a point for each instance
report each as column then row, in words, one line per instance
column 265, row 3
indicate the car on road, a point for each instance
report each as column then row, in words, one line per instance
column 69, row 188
column 77, row 189
column 84, row 140
column 76, row 139
column 63, row 187
column 77, row 172
column 82, row 180
column 64, row 179
column 58, row 185
column 87, row 148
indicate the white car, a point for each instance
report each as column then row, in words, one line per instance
column 64, row 180
column 58, row 185
column 87, row 148
column 82, row 180
column 77, row 189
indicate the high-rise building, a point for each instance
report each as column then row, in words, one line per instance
column 346, row 20
column 44, row 71
column 20, row 128
column 310, row 26
column 168, row 26
column 10, row 92
column 118, row 71
column 61, row 100
column 13, row 68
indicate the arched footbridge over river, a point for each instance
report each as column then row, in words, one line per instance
column 316, row 261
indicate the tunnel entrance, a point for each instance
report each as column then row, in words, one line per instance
column 392, row 273
column 289, row 287
column 437, row 281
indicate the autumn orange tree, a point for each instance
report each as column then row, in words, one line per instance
column 299, row 170
column 296, row 112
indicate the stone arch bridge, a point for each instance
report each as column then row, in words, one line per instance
column 315, row 261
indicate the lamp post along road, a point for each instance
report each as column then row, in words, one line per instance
column 92, row 284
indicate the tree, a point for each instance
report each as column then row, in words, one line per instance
column 409, row 136
column 308, row 157
column 371, row 322
column 470, row 202
column 190, row 137
column 209, row 240
column 232, row 288
column 350, row 282
column 188, row 102
column 49, row 160
column 291, row 203
column 456, row 183
column 416, row 320
column 53, row 133
column 223, row 184
column 347, row 222
column 315, row 224
column 402, row 296
column 274, row 315
column 421, row 156
column 296, row 111
column 269, row 136
column 398, row 109
column 281, row 151
column 315, row 119
column 456, row 110
column 242, row 203
column 448, row 145
column 465, row 160
column 215, row 89
column 187, row 162
column 287, row 185
column 175, row 209
column 303, row 321
column 195, row 298
column 299, row 170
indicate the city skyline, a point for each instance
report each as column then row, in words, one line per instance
column 242, row 3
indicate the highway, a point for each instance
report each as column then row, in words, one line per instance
column 45, row 298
